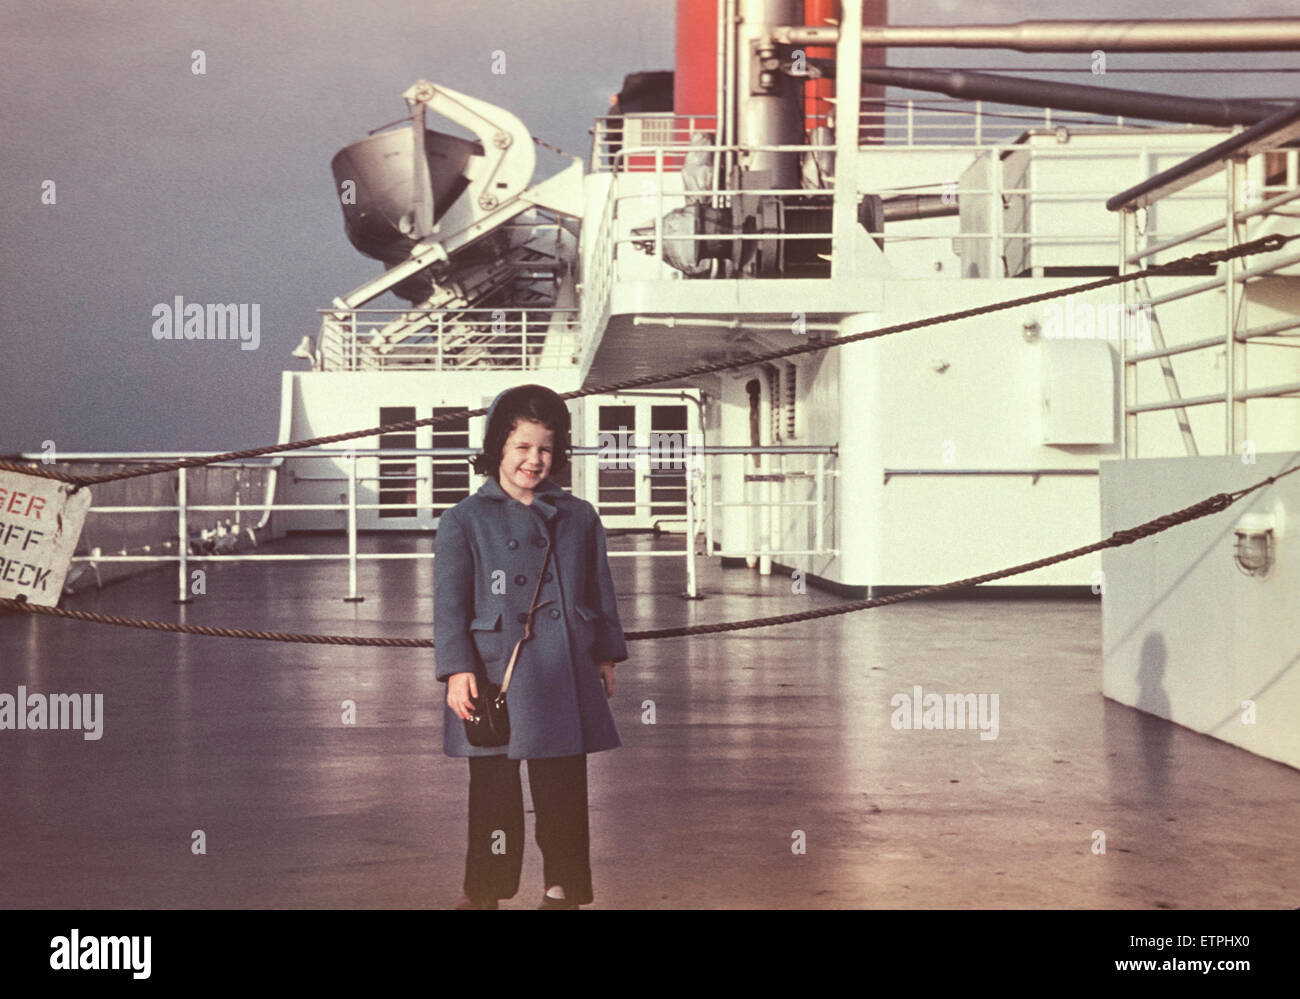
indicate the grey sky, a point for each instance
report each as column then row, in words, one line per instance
column 217, row 187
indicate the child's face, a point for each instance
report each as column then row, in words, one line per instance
column 526, row 458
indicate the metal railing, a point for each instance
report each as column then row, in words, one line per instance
column 669, row 132
column 929, row 121
column 1247, row 214
column 188, row 548
column 659, row 191
column 948, row 121
column 652, row 190
column 764, row 523
column 447, row 339
column 994, row 250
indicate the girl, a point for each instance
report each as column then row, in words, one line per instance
column 489, row 551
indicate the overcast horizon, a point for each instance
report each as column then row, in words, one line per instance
column 216, row 187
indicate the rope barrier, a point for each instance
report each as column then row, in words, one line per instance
column 1212, row 504
column 1207, row 506
column 1265, row 244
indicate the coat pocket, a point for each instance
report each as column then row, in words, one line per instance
column 588, row 627
column 486, row 632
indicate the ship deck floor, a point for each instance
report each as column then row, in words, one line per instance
column 758, row 735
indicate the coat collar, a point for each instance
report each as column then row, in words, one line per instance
column 545, row 497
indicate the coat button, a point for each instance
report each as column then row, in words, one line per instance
column 520, row 580
column 512, row 544
column 539, row 542
column 546, row 577
column 523, row 616
column 555, row 612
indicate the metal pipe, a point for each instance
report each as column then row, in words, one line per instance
column 1234, row 423
column 691, row 591
column 997, row 262
column 819, row 493
column 706, row 472
column 1074, row 97
column 1178, row 348
column 768, row 101
column 727, row 324
column 335, row 478
column 1276, row 130
column 325, row 556
column 728, row 134
column 149, row 456
column 183, row 527
column 1287, row 388
column 1128, row 236
column 772, row 517
column 892, row 472
column 1257, row 34
column 907, row 207
column 1271, row 329
column 721, row 88
column 327, row 453
column 845, row 262
column 774, row 503
column 351, row 461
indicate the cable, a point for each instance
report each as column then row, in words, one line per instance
column 1265, row 244
column 1212, row 504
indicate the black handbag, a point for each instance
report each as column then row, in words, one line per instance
column 489, row 723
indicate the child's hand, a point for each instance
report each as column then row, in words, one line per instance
column 461, row 689
column 607, row 676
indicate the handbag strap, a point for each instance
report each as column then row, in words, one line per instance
column 528, row 623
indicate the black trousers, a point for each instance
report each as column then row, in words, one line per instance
column 495, row 854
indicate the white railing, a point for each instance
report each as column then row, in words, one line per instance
column 1051, row 215
column 1249, row 210
column 188, row 548
column 447, row 339
column 943, row 121
column 951, row 121
column 611, row 134
column 659, row 189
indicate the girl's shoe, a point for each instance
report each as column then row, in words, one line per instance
column 550, row 902
column 556, row 903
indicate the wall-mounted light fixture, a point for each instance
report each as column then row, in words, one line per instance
column 1254, row 550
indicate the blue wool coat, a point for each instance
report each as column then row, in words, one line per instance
column 487, row 556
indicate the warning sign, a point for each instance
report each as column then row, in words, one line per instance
column 40, row 524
